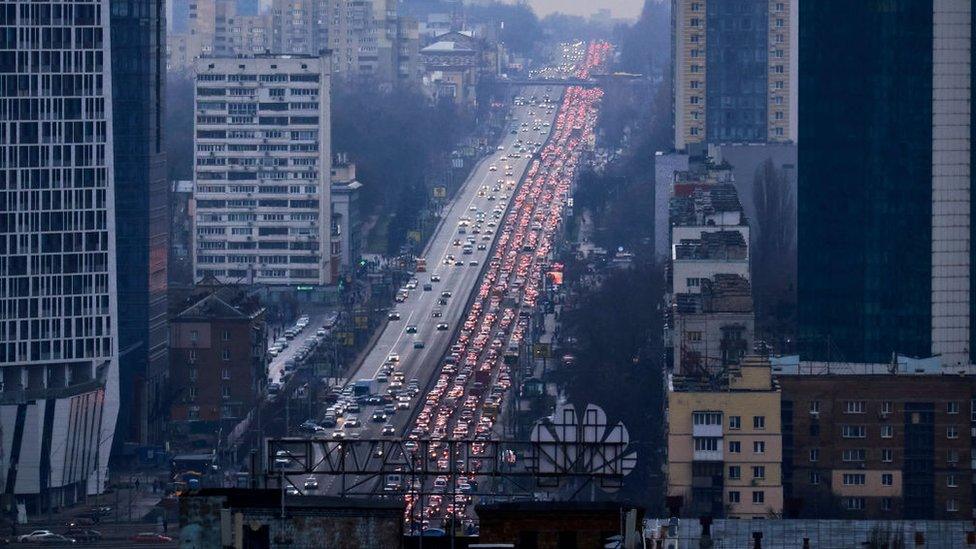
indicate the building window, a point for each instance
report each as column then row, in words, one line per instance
column 733, row 496
column 952, row 431
column 887, row 431
column 694, row 131
column 887, row 479
column 951, row 481
column 694, row 282
column 886, row 408
column 225, row 392
column 972, row 411
column 695, row 100
column 226, row 335
column 192, row 355
column 759, row 422
column 693, row 336
column 225, row 354
column 814, row 477
column 735, row 422
column 758, row 497
column 696, row 6
column 706, row 444
column 854, row 479
column 814, row 407
column 758, row 447
column 759, row 471
column 886, row 504
column 735, row 446
column 854, row 504
column 814, row 429
column 194, row 335
column 735, row 472
column 694, row 84
column 853, row 455
column 192, row 392
column 952, row 505
column 192, row 374
column 854, row 407
column 952, row 456
column 853, row 431
column 952, row 407
column 193, row 413
column 887, row 455
column 706, row 418
column 814, row 455
column 225, row 374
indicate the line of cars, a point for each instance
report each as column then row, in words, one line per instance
column 475, row 376
column 86, row 536
column 308, row 347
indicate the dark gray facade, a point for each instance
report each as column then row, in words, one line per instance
column 142, row 211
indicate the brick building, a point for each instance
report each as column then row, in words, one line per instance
column 218, row 367
column 873, row 441
column 552, row 525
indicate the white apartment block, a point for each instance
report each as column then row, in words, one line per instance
column 58, row 331
column 262, row 170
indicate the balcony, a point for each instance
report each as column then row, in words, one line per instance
column 708, row 455
column 712, row 431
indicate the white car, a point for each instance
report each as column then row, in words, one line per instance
column 36, row 535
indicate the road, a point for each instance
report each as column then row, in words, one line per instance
column 315, row 321
column 422, row 364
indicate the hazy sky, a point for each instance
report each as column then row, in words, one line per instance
column 619, row 8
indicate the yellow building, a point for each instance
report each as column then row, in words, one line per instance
column 725, row 447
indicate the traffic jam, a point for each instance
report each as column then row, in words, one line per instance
column 467, row 396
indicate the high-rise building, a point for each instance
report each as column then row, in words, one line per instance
column 262, row 170
column 142, row 209
column 884, row 181
column 725, row 444
column 59, row 397
column 363, row 37
column 733, row 70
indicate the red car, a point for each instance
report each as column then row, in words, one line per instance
column 150, row 537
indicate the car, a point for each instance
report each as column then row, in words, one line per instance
column 411, row 329
column 459, row 263
column 309, row 426
column 435, row 277
column 492, row 168
column 388, row 430
column 393, row 316
column 26, row 538
column 150, row 537
column 351, row 421
column 442, row 326
column 82, row 535
column 292, row 491
column 53, row 539
column 428, row 287
column 482, row 247
column 436, row 313
column 393, row 357
column 311, row 483
column 338, row 434
column 418, row 344
column 472, row 263
column 445, row 294
column 379, row 416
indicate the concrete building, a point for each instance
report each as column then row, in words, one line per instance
column 218, row 364
column 451, row 67
column 262, row 173
column 725, row 444
column 885, row 230
column 59, row 349
column 295, row 26
column 714, row 327
column 666, row 165
column 346, row 218
column 734, row 70
column 877, row 441
column 363, row 36
column 259, row 518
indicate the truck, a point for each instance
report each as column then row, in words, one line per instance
column 364, row 387
column 421, row 265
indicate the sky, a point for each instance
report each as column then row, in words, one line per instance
column 618, row 8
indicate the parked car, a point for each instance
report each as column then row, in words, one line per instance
column 27, row 538
column 82, row 535
column 150, row 537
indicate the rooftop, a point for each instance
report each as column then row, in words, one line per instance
column 724, row 293
column 713, row 245
column 791, row 365
column 693, row 203
column 211, row 299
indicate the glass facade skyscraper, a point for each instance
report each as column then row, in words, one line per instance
column 58, row 310
column 142, row 206
column 884, row 177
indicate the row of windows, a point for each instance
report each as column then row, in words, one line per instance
column 758, row 497
column 887, row 407
column 735, row 422
column 265, row 273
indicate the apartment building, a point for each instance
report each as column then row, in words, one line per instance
column 734, row 70
column 877, row 441
column 364, row 37
column 262, row 170
column 714, row 327
column 347, row 233
column 59, row 353
column 725, row 444
column 218, row 363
